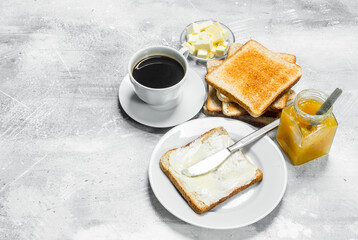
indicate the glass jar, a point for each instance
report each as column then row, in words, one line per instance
column 303, row 135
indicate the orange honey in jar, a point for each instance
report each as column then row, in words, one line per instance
column 303, row 135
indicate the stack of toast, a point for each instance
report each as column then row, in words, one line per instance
column 253, row 84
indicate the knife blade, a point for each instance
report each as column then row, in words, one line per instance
column 207, row 164
column 212, row 162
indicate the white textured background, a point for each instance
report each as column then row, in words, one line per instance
column 73, row 165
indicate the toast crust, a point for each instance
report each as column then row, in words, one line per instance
column 264, row 75
column 212, row 102
column 198, row 206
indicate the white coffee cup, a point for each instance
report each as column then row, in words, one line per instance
column 160, row 98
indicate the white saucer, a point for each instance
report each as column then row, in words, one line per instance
column 194, row 95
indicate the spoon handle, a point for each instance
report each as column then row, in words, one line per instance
column 329, row 102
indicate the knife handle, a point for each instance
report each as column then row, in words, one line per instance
column 253, row 136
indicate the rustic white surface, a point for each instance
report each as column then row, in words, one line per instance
column 74, row 166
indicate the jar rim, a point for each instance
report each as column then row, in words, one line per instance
column 314, row 95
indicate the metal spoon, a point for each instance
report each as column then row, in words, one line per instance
column 327, row 104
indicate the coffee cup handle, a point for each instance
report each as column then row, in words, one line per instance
column 184, row 51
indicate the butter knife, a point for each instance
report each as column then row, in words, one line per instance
column 212, row 162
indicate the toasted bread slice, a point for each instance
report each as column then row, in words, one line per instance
column 213, row 64
column 213, row 107
column 222, row 97
column 234, row 47
column 280, row 102
column 207, row 191
column 257, row 122
column 287, row 57
column 213, row 104
column 232, row 109
column 228, row 104
column 228, row 108
column 254, row 77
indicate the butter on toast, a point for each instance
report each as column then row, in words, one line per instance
column 254, row 76
column 207, row 191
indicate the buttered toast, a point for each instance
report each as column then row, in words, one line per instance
column 207, row 191
column 254, row 77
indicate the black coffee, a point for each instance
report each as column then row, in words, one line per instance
column 158, row 72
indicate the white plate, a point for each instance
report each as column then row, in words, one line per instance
column 192, row 100
column 242, row 209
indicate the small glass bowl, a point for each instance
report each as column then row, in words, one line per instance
column 230, row 40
